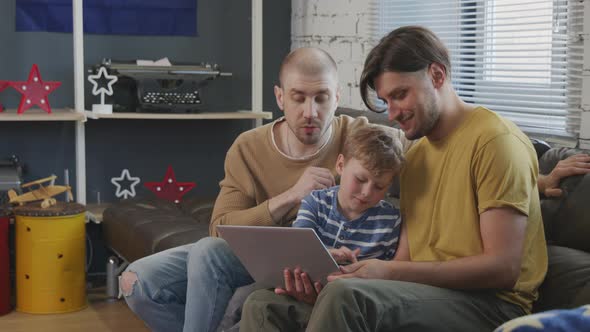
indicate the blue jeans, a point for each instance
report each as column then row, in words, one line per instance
column 186, row 288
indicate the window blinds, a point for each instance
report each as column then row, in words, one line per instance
column 520, row 58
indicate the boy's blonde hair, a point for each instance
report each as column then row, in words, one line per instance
column 376, row 147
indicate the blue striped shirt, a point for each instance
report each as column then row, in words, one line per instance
column 376, row 232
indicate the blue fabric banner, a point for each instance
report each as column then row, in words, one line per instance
column 111, row 17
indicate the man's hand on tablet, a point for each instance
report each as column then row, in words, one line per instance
column 299, row 286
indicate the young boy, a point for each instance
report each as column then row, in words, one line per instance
column 352, row 219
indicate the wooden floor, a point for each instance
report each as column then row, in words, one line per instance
column 100, row 315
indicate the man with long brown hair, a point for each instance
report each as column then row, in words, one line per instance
column 470, row 209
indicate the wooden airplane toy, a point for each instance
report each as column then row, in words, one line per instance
column 43, row 193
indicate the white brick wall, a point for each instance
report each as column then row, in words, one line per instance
column 340, row 27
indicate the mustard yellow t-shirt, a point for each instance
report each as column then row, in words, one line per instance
column 486, row 162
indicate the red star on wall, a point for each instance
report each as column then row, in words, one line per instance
column 34, row 91
column 3, row 85
column 169, row 189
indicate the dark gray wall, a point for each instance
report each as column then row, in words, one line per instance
column 195, row 148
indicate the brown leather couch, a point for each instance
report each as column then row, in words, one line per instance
column 138, row 227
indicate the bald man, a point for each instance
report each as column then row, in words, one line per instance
column 268, row 171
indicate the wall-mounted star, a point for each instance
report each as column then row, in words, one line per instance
column 169, row 189
column 122, row 190
column 34, row 91
column 102, row 75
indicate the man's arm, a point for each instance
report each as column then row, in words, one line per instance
column 236, row 203
column 578, row 164
column 497, row 267
column 403, row 249
column 233, row 207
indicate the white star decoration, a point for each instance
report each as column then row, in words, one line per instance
column 111, row 79
column 125, row 193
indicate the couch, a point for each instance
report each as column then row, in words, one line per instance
column 138, row 227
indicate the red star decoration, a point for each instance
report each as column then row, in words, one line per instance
column 169, row 189
column 3, row 85
column 34, row 91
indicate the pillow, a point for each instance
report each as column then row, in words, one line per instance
column 551, row 321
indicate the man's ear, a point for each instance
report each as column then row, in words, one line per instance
column 340, row 164
column 279, row 95
column 438, row 74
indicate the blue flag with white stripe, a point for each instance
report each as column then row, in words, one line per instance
column 111, row 17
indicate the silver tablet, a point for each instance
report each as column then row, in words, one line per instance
column 267, row 251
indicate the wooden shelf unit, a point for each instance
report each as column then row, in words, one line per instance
column 176, row 116
column 60, row 114
column 79, row 116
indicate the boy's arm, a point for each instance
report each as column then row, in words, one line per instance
column 307, row 216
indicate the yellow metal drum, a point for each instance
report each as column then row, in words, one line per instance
column 50, row 258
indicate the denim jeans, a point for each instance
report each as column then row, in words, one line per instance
column 186, row 288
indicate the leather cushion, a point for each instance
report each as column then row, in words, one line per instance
column 139, row 227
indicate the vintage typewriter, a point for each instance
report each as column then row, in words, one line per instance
column 161, row 89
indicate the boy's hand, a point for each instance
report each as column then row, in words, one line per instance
column 344, row 255
column 298, row 286
column 366, row 269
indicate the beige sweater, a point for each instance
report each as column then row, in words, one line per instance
column 255, row 171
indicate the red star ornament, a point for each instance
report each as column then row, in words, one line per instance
column 3, row 85
column 169, row 189
column 34, row 91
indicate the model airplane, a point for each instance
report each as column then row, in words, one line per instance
column 43, row 193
